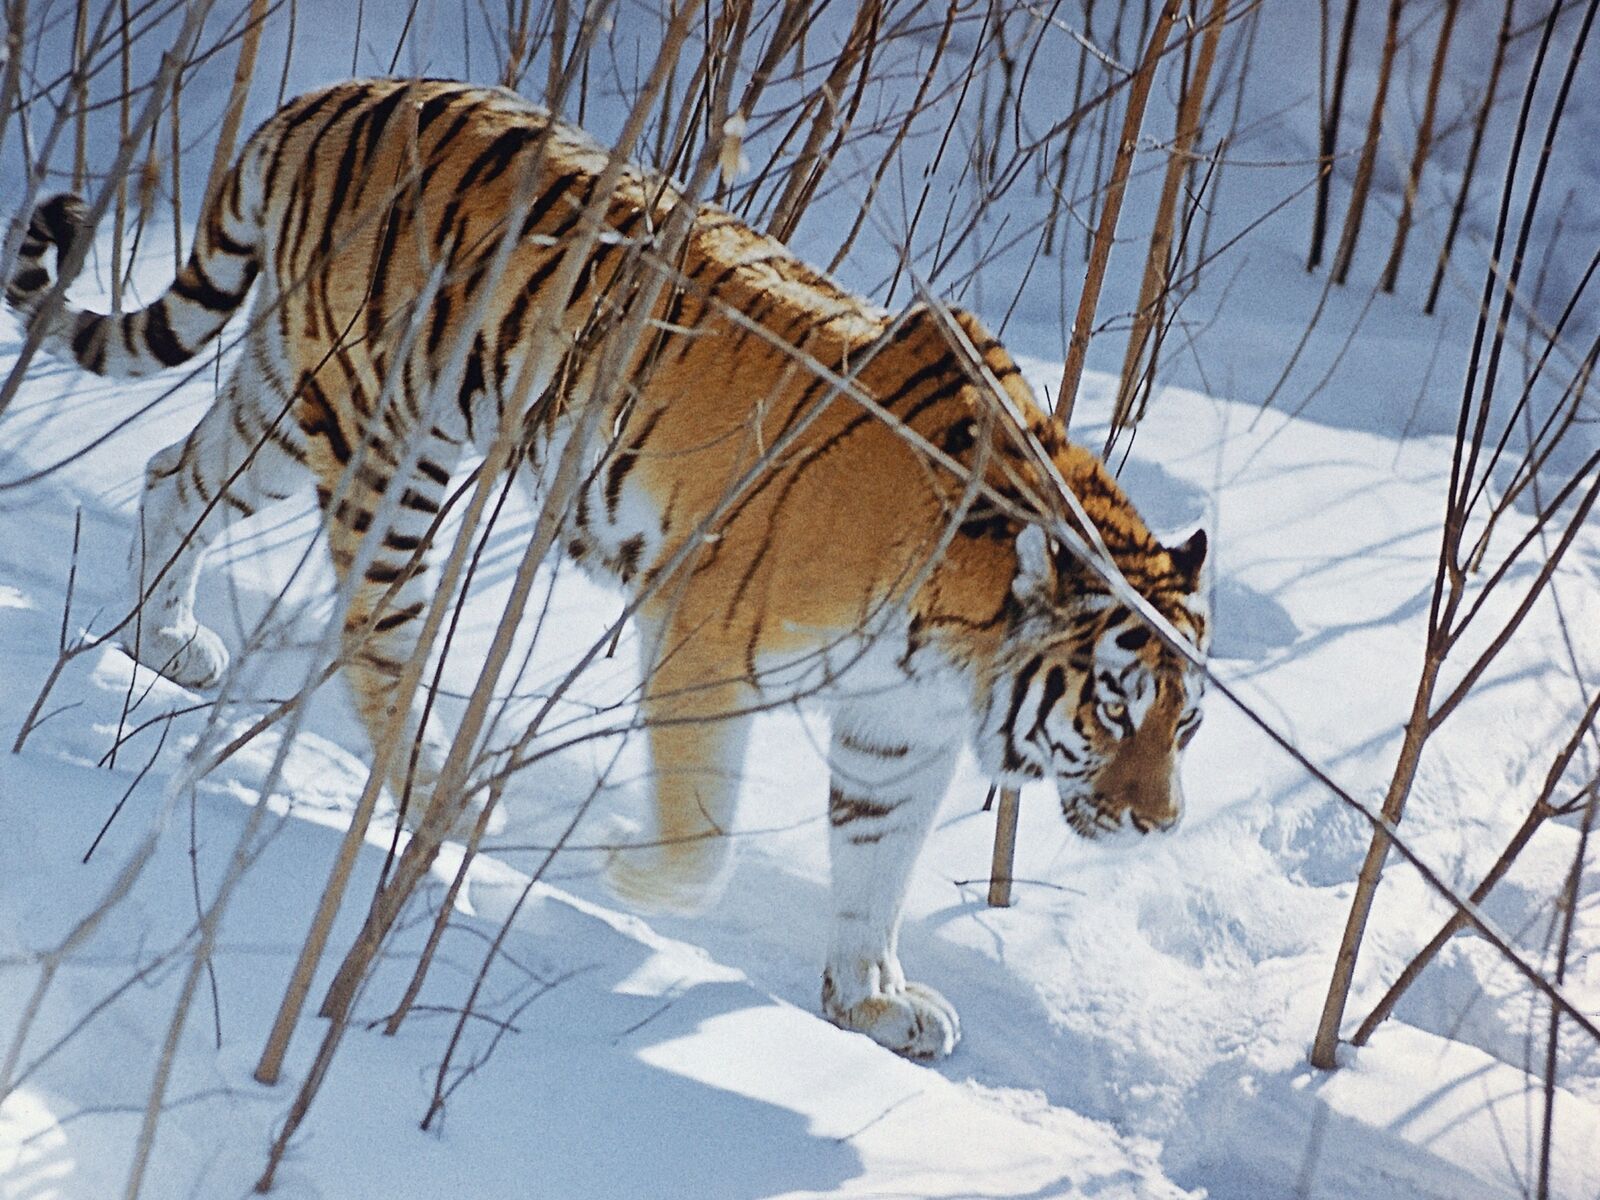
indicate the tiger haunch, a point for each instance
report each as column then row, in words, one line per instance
column 785, row 542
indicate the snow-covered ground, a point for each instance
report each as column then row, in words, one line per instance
column 1136, row 1025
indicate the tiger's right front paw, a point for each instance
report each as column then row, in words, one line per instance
column 909, row 1018
column 187, row 653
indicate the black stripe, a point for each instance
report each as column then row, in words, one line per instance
column 193, row 285
column 29, row 280
column 548, row 199
column 842, row 809
column 433, row 471
column 380, row 118
column 617, row 472
column 89, row 341
column 397, row 618
column 850, row 742
column 318, row 419
column 492, row 162
column 353, row 516
column 199, row 483
column 158, row 335
column 292, row 122
column 304, row 192
column 1019, row 692
column 403, row 542
column 226, row 244
column 418, row 502
column 1055, row 686
column 288, row 445
column 439, row 323
column 628, row 556
column 435, row 107
column 472, row 381
column 382, row 572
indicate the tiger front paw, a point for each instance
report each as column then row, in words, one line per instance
column 187, row 653
column 911, row 1019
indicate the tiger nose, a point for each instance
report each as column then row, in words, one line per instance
column 1154, row 811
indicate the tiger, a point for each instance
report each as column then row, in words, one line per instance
column 781, row 539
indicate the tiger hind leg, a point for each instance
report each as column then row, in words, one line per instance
column 883, row 794
column 244, row 455
column 389, row 598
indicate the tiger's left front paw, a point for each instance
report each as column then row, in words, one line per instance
column 912, row 1019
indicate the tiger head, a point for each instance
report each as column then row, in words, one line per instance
column 1085, row 695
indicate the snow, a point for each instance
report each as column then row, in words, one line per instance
column 1135, row 1026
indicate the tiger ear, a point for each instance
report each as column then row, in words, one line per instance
column 1189, row 558
column 1036, row 570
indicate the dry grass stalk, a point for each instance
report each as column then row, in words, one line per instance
column 233, row 113
column 1003, row 862
column 80, row 96
column 1419, row 158
column 119, row 219
column 1450, row 577
column 1153, row 287
column 1469, row 169
column 1362, row 186
column 810, row 165
column 175, row 180
column 1105, row 233
column 1334, row 111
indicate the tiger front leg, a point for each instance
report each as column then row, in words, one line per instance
column 883, row 795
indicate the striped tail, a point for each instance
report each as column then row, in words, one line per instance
column 172, row 330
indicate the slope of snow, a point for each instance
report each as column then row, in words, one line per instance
column 1135, row 1026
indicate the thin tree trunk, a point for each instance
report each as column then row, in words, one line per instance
column 1479, row 125
column 1424, row 145
column 1157, row 266
column 1100, row 253
column 1369, row 150
column 1003, row 864
column 80, row 97
column 243, row 72
column 177, row 180
column 1330, row 137
column 1324, row 1050
column 119, row 219
column 1541, row 811
column 809, row 166
column 1449, row 585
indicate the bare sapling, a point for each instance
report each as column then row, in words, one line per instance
column 1153, row 287
column 233, row 113
column 1449, row 614
column 1361, row 188
column 1419, row 157
column 1106, row 231
column 1333, row 112
column 1005, row 836
column 1469, row 170
column 1545, row 806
